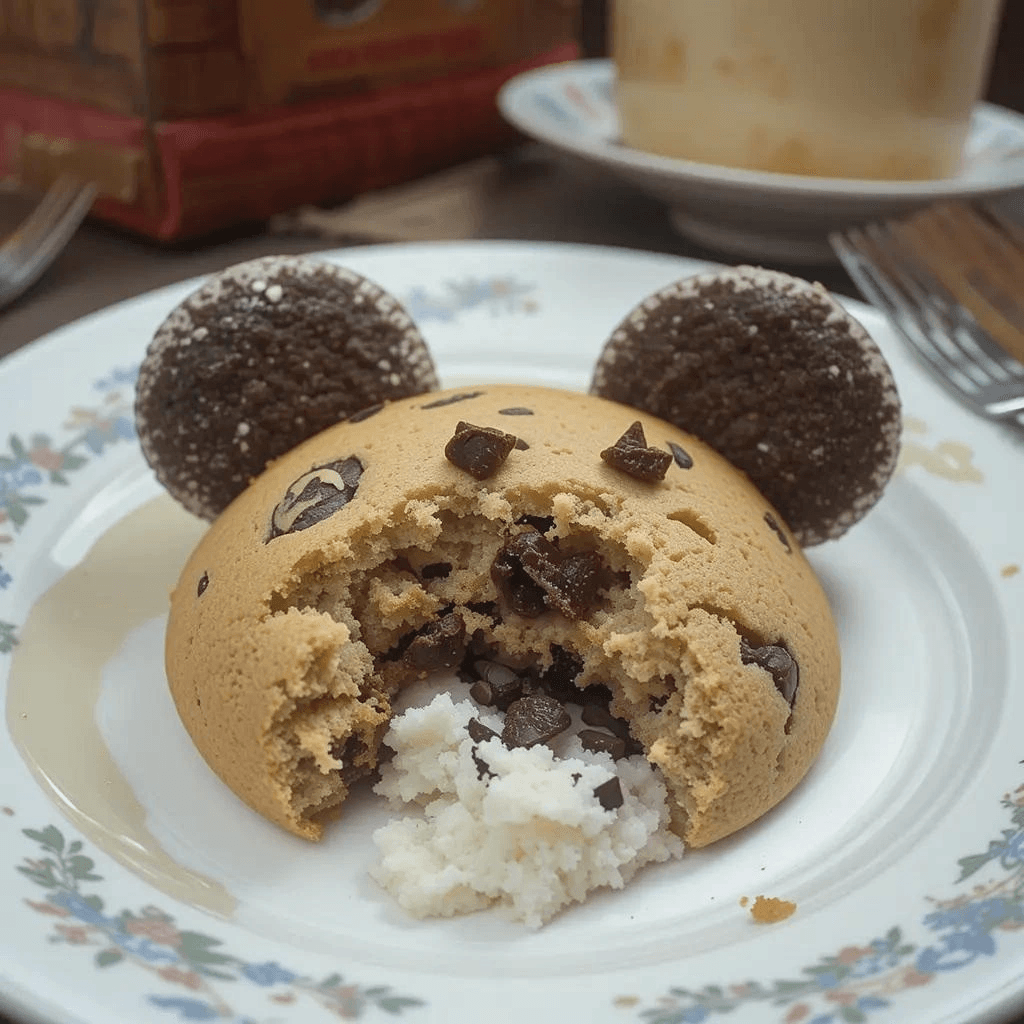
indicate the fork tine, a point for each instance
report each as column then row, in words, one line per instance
column 44, row 215
column 20, row 269
column 930, row 320
column 871, row 271
column 973, row 345
column 938, row 327
column 981, row 267
column 1013, row 231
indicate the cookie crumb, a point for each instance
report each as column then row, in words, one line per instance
column 770, row 909
column 1009, row 570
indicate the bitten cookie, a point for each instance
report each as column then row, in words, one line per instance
column 775, row 375
column 264, row 355
column 595, row 553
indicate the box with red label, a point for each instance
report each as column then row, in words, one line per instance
column 194, row 114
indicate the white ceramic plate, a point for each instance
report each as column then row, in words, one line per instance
column 133, row 886
column 747, row 214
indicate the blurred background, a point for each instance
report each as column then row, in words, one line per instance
column 218, row 130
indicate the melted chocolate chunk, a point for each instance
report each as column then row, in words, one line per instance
column 436, row 570
column 602, row 743
column 631, row 455
column 315, row 496
column 777, row 661
column 515, row 410
column 463, row 396
column 521, row 593
column 558, row 680
column 478, row 732
column 352, row 753
column 609, row 794
column 483, row 769
column 204, row 582
column 542, row 524
column 682, row 457
column 496, row 686
column 534, row 719
column 365, row 414
column 478, row 451
column 438, row 645
column 532, row 574
column 601, row 718
column 773, row 525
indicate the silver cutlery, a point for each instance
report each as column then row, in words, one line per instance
column 951, row 280
column 40, row 238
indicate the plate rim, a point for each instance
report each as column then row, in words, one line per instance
column 741, row 180
column 991, row 1012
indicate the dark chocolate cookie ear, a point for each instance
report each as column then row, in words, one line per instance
column 263, row 356
column 772, row 372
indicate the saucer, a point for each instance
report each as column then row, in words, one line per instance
column 754, row 215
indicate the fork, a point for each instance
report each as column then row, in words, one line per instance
column 950, row 278
column 37, row 242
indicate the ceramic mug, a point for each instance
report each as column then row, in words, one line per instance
column 837, row 88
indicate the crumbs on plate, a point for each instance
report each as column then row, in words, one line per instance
column 769, row 909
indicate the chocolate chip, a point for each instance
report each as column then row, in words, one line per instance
column 532, row 574
column 773, row 524
column 602, row 718
column 532, row 720
column 631, row 455
column 609, row 794
column 516, row 410
column 683, row 458
column 521, row 445
column 520, row 591
column 602, row 743
column 436, row 570
column 483, row 769
column 558, row 680
column 596, row 694
column 776, row 660
column 496, row 686
column 576, row 590
column 479, row 451
column 365, row 414
column 315, row 496
column 478, row 732
column 204, row 582
column 463, row 396
column 353, row 754
column 438, row 645
column 542, row 524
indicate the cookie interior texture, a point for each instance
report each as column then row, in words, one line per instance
column 291, row 626
column 773, row 373
column 262, row 356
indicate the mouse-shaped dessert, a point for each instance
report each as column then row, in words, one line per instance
column 596, row 550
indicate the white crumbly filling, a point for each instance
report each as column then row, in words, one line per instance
column 520, row 829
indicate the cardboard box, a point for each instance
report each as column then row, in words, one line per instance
column 193, row 114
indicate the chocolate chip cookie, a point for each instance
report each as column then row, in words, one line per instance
column 564, row 549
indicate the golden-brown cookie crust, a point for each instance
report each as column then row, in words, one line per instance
column 281, row 645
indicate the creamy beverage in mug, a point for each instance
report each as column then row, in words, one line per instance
column 836, row 88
